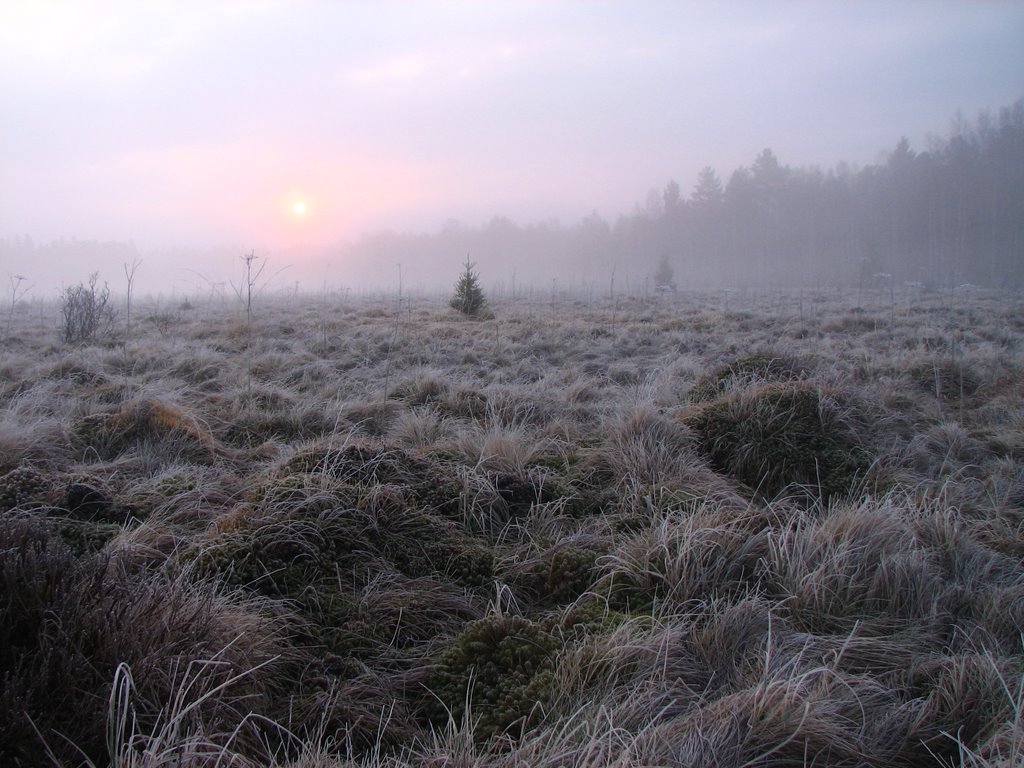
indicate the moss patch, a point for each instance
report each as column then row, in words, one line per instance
column 501, row 666
column 23, row 486
column 561, row 576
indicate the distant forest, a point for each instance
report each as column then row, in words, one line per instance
column 951, row 215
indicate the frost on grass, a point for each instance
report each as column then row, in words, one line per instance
column 596, row 533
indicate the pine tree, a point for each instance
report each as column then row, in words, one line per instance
column 468, row 297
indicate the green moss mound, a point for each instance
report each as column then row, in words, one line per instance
column 501, row 667
column 778, row 435
column 323, row 559
column 84, row 537
column 281, row 555
column 423, row 544
column 23, row 486
column 591, row 616
column 425, row 481
column 560, row 576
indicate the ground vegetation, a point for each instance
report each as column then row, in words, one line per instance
column 733, row 529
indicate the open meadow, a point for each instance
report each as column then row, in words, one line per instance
column 750, row 528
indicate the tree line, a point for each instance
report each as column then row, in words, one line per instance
column 942, row 217
column 950, row 215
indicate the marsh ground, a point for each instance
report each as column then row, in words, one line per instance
column 732, row 528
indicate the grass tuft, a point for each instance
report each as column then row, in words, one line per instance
column 774, row 436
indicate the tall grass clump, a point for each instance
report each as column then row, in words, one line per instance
column 694, row 552
column 774, row 436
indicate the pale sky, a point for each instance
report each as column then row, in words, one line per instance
column 282, row 126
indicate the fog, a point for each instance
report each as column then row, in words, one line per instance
column 354, row 145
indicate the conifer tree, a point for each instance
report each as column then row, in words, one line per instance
column 468, row 297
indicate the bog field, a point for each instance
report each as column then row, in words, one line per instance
column 749, row 528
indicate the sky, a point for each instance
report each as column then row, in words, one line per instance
column 290, row 127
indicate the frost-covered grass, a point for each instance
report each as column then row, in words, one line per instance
column 732, row 529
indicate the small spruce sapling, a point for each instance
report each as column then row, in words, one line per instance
column 469, row 296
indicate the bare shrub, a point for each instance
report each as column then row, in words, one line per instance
column 86, row 311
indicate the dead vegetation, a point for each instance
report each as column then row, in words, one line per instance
column 666, row 531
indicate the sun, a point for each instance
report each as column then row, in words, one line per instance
column 299, row 208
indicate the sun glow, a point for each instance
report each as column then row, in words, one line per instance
column 299, row 208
